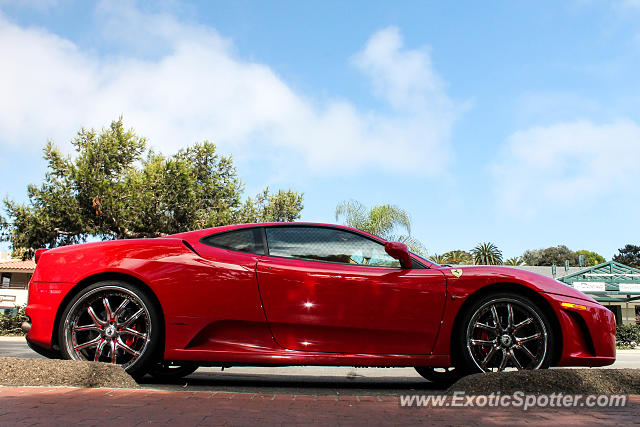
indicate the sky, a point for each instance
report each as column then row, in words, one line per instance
column 511, row 122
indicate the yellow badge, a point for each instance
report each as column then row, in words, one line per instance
column 456, row 272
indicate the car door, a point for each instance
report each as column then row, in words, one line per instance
column 220, row 291
column 333, row 290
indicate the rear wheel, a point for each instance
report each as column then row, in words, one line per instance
column 170, row 371
column 113, row 322
column 504, row 331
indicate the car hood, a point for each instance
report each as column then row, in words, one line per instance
column 535, row 281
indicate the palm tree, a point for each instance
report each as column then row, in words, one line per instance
column 412, row 243
column 486, row 254
column 381, row 220
column 458, row 257
column 439, row 259
column 514, row 261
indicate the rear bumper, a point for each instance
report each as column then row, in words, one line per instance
column 588, row 334
column 26, row 327
column 49, row 353
column 44, row 300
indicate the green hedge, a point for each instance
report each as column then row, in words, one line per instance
column 626, row 334
column 10, row 324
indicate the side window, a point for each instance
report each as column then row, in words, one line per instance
column 327, row 244
column 244, row 240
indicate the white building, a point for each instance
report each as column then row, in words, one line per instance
column 14, row 284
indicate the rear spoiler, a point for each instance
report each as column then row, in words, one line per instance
column 38, row 253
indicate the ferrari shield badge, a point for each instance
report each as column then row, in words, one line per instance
column 456, row 272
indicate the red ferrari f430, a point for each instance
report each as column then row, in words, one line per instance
column 303, row 294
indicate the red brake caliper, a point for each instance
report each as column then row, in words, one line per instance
column 130, row 338
column 484, row 335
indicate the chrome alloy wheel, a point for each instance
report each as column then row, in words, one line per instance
column 505, row 333
column 108, row 324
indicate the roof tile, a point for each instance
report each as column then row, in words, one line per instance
column 15, row 264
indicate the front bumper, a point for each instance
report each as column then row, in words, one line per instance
column 588, row 332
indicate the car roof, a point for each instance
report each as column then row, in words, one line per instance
column 198, row 234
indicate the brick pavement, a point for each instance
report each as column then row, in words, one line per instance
column 64, row 406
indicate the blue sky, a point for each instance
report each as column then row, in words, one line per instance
column 511, row 122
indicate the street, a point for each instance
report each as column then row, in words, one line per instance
column 309, row 380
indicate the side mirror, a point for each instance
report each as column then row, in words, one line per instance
column 400, row 252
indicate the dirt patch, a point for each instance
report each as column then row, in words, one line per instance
column 547, row 381
column 46, row 372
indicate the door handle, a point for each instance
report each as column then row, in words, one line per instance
column 327, row 276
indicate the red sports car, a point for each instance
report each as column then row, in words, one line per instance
column 303, row 294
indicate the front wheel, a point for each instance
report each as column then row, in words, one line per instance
column 442, row 376
column 505, row 331
column 113, row 322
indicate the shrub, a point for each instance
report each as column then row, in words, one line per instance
column 627, row 334
column 10, row 324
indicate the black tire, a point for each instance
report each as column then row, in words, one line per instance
column 111, row 321
column 442, row 376
column 169, row 371
column 521, row 338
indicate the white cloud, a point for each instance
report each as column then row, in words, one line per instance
column 190, row 85
column 550, row 107
column 575, row 164
column 404, row 77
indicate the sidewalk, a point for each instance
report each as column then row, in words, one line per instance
column 48, row 406
column 12, row 338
